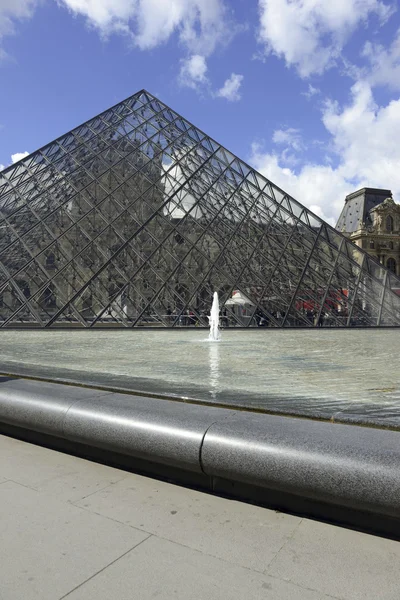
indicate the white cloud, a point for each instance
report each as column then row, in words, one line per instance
column 193, row 72
column 18, row 156
column 291, row 144
column 310, row 34
column 231, row 87
column 200, row 24
column 384, row 63
column 15, row 158
column 311, row 91
column 365, row 136
column 10, row 12
column 318, row 187
column 365, row 139
column 290, row 137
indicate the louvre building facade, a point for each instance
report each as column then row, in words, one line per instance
column 136, row 217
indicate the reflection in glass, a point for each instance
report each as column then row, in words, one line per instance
column 136, row 217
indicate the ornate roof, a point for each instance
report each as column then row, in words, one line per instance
column 358, row 205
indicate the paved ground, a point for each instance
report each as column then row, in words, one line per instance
column 74, row 529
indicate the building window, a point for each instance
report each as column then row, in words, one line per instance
column 25, row 289
column 114, row 290
column 50, row 261
column 390, row 245
column 391, row 265
column 111, row 291
column 49, row 298
column 179, row 239
column 372, row 245
column 87, row 303
column 389, row 223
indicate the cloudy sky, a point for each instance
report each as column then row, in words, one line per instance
column 306, row 91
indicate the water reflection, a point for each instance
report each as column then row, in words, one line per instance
column 325, row 373
column 214, row 370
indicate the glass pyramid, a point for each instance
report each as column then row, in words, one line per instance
column 136, row 217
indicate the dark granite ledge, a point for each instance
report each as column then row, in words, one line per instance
column 339, row 467
column 369, row 414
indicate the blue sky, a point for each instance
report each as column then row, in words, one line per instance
column 306, row 91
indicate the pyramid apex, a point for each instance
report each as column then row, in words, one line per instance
column 137, row 217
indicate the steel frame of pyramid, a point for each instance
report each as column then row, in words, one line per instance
column 136, row 217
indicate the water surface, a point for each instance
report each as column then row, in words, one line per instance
column 350, row 375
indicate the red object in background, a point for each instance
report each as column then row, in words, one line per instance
column 335, row 300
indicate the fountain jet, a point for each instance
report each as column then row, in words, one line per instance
column 213, row 319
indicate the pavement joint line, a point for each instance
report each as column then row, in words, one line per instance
column 228, row 562
column 93, row 512
column 264, row 573
column 104, row 568
column 167, row 539
column 221, row 558
column 303, row 587
column 236, row 564
column 48, row 480
column 28, row 487
column 287, row 540
column 75, row 505
column 97, row 491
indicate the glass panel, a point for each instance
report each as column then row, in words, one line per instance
column 136, row 217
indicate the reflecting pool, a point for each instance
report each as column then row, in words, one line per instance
column 342, row 375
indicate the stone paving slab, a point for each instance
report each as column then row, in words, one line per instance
column 59, row 475
column 116, row 546
column 48, row 547
column 344, row 563
column 245, row 535
column 20, row 462
column 81, row 483
column 162, row 569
